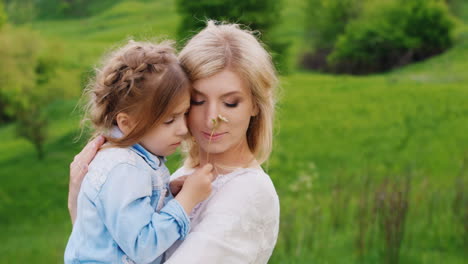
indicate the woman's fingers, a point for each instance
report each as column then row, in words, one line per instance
column 78, row 169
column 79, row 166
column 90, row 150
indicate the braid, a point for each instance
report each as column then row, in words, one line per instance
column 121, row 84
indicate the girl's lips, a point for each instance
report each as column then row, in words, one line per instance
column 176, row 144
column 214, row 137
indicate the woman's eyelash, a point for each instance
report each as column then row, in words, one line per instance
column 196, row 102
column 231, row 105
column 193, row 102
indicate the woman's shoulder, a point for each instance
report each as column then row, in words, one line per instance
column 250, row 180
column 246, row 187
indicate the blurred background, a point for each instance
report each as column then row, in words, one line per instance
column 371, row 148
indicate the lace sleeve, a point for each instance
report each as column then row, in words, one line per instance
column 239, row 224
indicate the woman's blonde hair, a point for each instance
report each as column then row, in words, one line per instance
column 227, row 46
column 141, row 79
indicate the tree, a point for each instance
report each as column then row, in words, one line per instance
column 260, row 15
column 393, row 34
column 27, row 64
column 3, row 16
column 325, row 21
column 366, row 36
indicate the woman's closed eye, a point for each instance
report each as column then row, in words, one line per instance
column 232, row 105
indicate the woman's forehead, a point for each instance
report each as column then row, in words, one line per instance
column 224, row 83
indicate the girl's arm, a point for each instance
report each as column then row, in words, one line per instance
column 124, row 205
column 78, row 169
column 123, row 202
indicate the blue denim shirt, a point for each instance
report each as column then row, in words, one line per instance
column 126, row 212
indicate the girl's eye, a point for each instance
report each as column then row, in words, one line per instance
column 194, row 102
column 169, row 121
column 231, row 105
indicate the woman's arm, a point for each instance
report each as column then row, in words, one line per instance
column 239, row 224
column 78, row 169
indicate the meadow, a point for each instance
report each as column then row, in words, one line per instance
column 369, row 169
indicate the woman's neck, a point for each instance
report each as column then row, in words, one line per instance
column 233, row 158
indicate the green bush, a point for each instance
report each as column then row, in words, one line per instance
column 28, row 63
column 391, row 34
column 3, row 16
column 262, row 15
column 327, row 19
column 25, row 11
column 20, row 11
column 47, row 9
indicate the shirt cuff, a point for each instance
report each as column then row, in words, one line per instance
column 176, row 210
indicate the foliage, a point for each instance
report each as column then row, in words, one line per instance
column 459, row 8
column 25, row 11
column 392, row 34
column 3, row 16
column 29, row 64
column 262, row 16
column 20, row 11
column 71, row 8
column 336, row 133
column 326, row 20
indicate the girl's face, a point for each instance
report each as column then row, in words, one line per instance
column 224, row 94
column 163, row 139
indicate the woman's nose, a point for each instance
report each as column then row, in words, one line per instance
column 211, row 114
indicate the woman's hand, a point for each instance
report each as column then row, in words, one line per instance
column 78, row 169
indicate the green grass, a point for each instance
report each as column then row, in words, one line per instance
column 334, row 134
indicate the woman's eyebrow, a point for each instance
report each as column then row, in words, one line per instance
column 231, row 93
column 223, row 95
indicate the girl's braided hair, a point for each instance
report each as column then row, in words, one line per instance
column 141, row 79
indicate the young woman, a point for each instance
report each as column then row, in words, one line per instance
column 231, row 122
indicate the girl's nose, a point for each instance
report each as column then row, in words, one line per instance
column 182, row 129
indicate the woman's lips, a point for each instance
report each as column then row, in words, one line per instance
column 214, row 137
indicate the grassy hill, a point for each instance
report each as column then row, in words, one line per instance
column 339, row 140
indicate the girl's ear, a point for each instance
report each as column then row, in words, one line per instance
column 124, row 122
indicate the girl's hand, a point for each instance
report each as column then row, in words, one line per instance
column 78, row 169
column 196, row 188
column 176, row 185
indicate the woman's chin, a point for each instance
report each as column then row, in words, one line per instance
column 214, row 149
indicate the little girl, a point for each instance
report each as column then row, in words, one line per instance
column 126, row 211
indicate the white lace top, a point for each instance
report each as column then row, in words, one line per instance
column 238, row 223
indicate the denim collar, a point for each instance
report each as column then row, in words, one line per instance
column 153, row 161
